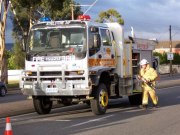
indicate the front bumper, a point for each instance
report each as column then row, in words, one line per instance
column 70, row 88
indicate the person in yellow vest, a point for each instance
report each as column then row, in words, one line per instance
column 148, row 76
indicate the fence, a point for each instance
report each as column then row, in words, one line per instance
column 163, row 69
column 14, row 75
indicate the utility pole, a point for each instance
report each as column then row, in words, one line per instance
column 170, row 49
column 72, row 10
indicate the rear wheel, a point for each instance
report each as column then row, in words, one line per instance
column 42, row 105
column 2, row 92
column 100, row 102
column 67, row 101
column 135, row 99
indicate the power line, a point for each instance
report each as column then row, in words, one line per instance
column 90, row 6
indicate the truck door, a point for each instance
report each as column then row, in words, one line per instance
column 108, row 54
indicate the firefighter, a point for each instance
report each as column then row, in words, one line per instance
column 148, row 76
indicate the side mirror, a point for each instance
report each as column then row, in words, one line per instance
column 96, row 42
column 94, row 29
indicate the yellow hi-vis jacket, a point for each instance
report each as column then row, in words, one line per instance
column 148, row 74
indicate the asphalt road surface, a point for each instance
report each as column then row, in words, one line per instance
column 120, row 119
column 17, row 96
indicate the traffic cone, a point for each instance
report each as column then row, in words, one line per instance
column 8, row 130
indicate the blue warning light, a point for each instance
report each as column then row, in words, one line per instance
column 45, row 19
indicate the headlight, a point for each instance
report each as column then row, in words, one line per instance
column 79, row 86
column 80, row 72
column 27, row 73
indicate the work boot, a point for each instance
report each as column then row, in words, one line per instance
column 143, row 106
column 155, row 106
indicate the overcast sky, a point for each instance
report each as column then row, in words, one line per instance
column 149, row 18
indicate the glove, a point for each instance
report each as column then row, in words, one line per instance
column 148, row 80
column 144, row 80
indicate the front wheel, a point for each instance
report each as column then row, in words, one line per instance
column 42, row 105
column 100, row 102
column 2, row 91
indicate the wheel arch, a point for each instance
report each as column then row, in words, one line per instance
column 102, row 76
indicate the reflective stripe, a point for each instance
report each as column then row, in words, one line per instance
column 8, row 126
column 139, row 91
column 102, row 62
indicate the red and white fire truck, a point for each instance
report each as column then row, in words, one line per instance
column 81, row 60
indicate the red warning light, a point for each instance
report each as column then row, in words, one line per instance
column 84, row 17
column 71, row 50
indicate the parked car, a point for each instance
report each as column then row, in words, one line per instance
column 3, row 89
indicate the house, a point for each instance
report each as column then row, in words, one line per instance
column 164, row 47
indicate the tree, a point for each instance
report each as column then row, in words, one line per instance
column 28, row 11
column 65, row 13
column 10, row 60
column 16, row 57
column 24, row 15
column 110, row 15
column 3, row 16
column 176, row 59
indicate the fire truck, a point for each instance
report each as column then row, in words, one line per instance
column 80, row 60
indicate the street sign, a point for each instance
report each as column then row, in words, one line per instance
column 170, row 56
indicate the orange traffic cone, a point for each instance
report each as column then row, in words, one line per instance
column 8, row 130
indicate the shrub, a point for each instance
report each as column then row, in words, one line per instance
column 163, row 58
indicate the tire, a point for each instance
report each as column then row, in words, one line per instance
column 100, row 102
column 135, row 99
column 42, row 105
column 67, row 101
column 2, row 92
column 87, row 103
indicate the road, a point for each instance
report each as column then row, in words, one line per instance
column 11, row 97
column 169, row 77
column 121, row 118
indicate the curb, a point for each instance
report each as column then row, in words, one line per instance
column 168, row 83
column 13, row 91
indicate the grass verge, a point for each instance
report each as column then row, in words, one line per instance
column 13, row 84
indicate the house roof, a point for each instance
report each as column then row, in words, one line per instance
column 165, row 44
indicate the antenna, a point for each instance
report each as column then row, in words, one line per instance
column 89, row 7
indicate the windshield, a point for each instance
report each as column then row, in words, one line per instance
column 57, row 41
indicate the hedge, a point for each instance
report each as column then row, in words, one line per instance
column 163, row 58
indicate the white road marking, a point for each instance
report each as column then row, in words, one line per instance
column 93, row 120
column 49, row 119
column 63, row 120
